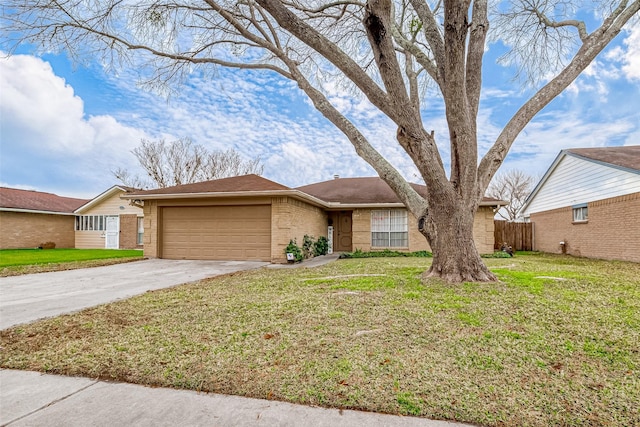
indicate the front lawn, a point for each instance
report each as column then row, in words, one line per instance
column 22, row 261
column 555, row 343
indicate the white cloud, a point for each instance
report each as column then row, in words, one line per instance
column 46, row 138
column 631, row 58
column 542, row 140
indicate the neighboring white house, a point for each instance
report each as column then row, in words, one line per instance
column 588, row 204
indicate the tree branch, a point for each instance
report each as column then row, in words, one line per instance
column 433, row 35
column 330, row 51
column 592, row 46
column 475, row 53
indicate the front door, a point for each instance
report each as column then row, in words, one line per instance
column 112, row 240
column 342, row 236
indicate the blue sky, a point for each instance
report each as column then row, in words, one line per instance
column 64, row 128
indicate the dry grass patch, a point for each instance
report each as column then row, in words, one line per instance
column 19, row 270
column 367, row 334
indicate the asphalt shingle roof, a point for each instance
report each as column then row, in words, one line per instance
column 14, row 198
column 224, row 185
column 368, row 190
column 626, row 157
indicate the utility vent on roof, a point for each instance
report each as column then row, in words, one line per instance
column 336, row 176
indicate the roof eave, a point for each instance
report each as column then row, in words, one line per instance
column 246, row 194
column 36, row 211
column 492, row 203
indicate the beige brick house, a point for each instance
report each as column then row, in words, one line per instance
column 252, row 218
column 588, row 204
column 30, row 218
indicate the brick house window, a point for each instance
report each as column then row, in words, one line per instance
column 580, row 213
column 140, row 230
column 389, row 228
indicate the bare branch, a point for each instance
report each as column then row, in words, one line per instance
column 513, row 186
column 183, row 162
column 592, row 46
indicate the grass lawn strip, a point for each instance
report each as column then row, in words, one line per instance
column 367, row 334
column 14, row 262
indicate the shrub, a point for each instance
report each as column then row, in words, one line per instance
column 47, row 245
column 358, row 253
column 321, row 247
column 499, row 254
column 307, row 246
column 293, row 248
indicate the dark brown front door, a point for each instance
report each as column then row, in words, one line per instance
column 342, row 238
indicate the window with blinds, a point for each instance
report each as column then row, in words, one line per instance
column 389, row 228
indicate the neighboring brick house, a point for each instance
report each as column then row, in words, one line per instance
column 588, row 204
column 251, row 218
column 30, row 218
column 108, row 221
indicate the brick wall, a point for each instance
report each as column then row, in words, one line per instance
column 151, row 224
column 483, row 228
column 291, row 218
column 129, row 231
column 611, row 232
column 482, row 232
column 28, row 230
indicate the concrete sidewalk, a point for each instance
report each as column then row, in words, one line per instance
column 34, row 399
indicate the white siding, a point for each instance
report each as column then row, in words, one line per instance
column 108, row 206
column 576, row 181
column 111, row 206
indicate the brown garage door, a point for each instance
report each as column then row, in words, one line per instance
column 217, row 232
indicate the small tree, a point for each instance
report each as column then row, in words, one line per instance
column 513, row 186
column 183, row 162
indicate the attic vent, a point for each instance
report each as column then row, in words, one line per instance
column 336, row 176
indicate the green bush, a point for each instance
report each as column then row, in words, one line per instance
column 498, row 254
column 293, row 248
column 385, row 253
column 321, row 247
column 307, row 246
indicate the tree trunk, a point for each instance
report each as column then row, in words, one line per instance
column 455, row 257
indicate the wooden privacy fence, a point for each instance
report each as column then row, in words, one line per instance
column 518, row 235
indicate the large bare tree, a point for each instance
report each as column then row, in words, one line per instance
column 183, row 162
column 512, row 186
column 385, row 50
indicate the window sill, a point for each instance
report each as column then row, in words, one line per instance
column 580, row 222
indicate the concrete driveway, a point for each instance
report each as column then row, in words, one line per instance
column 31, row 297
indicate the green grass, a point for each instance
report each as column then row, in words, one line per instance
column 554, row 343
column 22, row 261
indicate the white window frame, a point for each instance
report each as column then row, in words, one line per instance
column 140, row 226
column 580, row 213
column 392, row 222
column 91, row 223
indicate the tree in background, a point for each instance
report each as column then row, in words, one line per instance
column 183, row 162
column 395, row 53
column 513, row 186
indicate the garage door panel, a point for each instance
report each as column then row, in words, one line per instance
column 217, row 232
